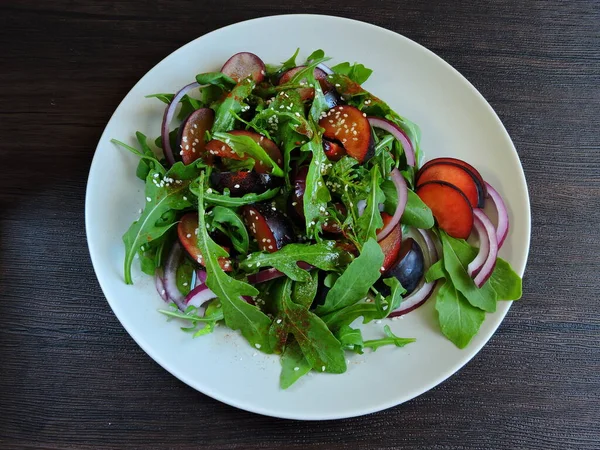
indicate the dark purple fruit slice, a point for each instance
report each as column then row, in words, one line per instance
column 187, row 232
column 271, row 229
column 243, row 182
column 347, row 125
column 296, row 201
column 243, row 65
column 192, row 132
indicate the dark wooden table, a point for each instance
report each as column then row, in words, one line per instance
column 71, row 377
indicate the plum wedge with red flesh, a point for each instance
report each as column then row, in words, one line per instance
column 409, row 269
column 481, row 187
column 333, row 150
column 308, row 92
column 191, row 134
column 390, row 245
column 348, row 126
column 243, row 182
column 243, row 65
column 271, row 229
column 454, row 174
column 450, row 207
column 187, row 230
column 296, row 201
column 218, row 148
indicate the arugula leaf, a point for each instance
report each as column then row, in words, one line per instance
column 232, row 106
column 484, row 297
column 245, row 145
column 314, row 56
column 188, row 104
column 416, row 213
column 505, row 281
column 148, row 160
column 350, row 338
column 371, row 221
column 345, row 316
column 459, row 320
column 436, row 272
column 215, row 198
column 304, row 292
column 239, row 315
column 162, row 196
column 320, row 347
column 212, row 315
column 392, row 301
column 279, row 332
column 218, row 79
column 294, row 365
column 391, row 339
column 356, row 72
column 324, row 255
column 353, row 285
column 235, row 229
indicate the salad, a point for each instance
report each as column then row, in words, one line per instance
column 291, row 204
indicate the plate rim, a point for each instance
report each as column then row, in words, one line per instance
column 470, row 352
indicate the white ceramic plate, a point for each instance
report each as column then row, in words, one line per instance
column 455, row 121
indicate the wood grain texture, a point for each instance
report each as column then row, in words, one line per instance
column 71, row 377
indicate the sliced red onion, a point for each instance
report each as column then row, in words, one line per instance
column 200, row 277
column 423, row 290
column 503, row 225
column 160, row 285
column 399, row 134
column 168, row 117
column 170, row 279
column 490, row 262
column 484, row 248
column 402, row 191
column 199, row 295
column 325, row 69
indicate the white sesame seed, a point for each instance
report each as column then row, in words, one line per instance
column 279, row 321
column 188, row 235
column 163, row 292
column 209, row 191
column 296, row 369
column 185, row 284
column 270, row 247
column 257, row 345
column 185, row 198
column 237, row 186
column 148, row 199
column 378, row 321
column 322, row 368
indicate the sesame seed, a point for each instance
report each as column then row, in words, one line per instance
column 322, row 368
column 237, row 186
column 195, row 126
column 188, row 235
column 364, row 114
column 163, row 292
column 293, row 204
column 337, row 84
column 296, row 369
column 378, row 321
column 270, row 247
column 279, row 321
column 185, row 198
column 257, row 345
column 185, row 284
column 148, row 199
column 382, row 268
column 209, row 191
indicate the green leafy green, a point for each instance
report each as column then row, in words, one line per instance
column 245, row 145
column 320, row 347
column 162, row 196
column 239, row 315
column 225, row 200
column 200, row 325
column 368, row 311
column 435, row 272
column 505, row 281
column 304, row 292
column 356, row 72
column 218, row 79
column 148, row 160
column 324, row 255
column 353, row 285
column 391, row 339
column 188, row 104
column 227, row 221
column 416, row 213
column 455, row 266
column 370, row 220
column 294, row 365
column 232, row 106
column 459, row 320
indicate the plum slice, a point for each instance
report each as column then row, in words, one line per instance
column 409, row 269
column 390, row 245
column 243, row 182
column 218, row 148
column 296, row 201
column 348, row 126
column 454, row 174
column 481, row 187
column 271, row 229
column 191, row 134
column 308, row 92
column 243, row 65
column 187, row 230
column 449, row 206
column 333, row 150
